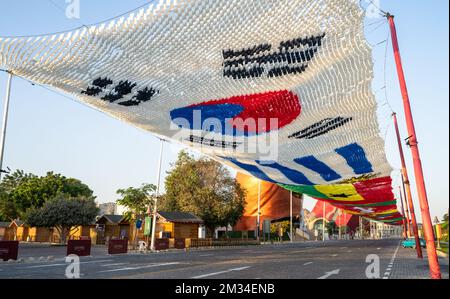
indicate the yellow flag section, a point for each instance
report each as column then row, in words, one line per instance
column 371, row 198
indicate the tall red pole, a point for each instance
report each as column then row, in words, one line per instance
column 405, row 230
column 433, row 261
column 408, row 215
column 407, row 186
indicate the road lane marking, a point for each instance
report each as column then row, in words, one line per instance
column 334, row 255
column 331, row 273
column 218, row 273
column 391, row 263
column 395, row 255
column 306, row 264
column 204, row 255
column 46, row 266
column 140, row 267
column 299, row 251
column 65, row 264
column 112, row 265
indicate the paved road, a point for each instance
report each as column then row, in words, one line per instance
column 332, row 260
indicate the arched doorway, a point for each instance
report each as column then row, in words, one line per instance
column 318, row 229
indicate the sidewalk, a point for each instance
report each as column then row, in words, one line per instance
column 408, row 266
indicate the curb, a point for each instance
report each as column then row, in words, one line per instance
column 31, row 260
column 442, row 254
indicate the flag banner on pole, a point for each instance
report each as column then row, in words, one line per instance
column 279, row 89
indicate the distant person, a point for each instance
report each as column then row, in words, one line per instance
column 123, row 234
column 280, row 234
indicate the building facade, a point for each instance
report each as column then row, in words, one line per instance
column 109, row 208
column 385, row 231
column 274, row 203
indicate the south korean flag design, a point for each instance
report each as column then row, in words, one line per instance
column 195, row 71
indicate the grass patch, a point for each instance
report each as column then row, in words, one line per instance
column 444, row 248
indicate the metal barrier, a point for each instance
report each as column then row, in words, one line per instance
column 180, row 243
column 162, row 244
column 79, row 247
column 118, row 246
column 198, row 243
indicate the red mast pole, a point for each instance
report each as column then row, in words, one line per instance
column 433, row 261
column 407, row 186
column 405, row 230
column 408, row 215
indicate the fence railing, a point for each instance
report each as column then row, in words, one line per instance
column 198, row 243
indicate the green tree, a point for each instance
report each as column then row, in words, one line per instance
column 204, row 187
column 64, row 213
column 278, row 227
column 25, row 191
column 8, row 210
column 331, row 228
column 13, row 180
column 182, row 174
column 137, row 200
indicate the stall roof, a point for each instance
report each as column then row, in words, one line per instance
column 113, row 219
column 180, row 217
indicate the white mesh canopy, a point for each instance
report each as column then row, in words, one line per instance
column 204, row 72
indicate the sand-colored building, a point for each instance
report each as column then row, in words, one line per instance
column 178, row 225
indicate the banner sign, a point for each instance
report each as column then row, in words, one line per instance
column 148, row 226
column 118, row 246
column 79, row 247
column 9, row 250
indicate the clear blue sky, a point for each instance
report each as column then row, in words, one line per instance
column 50, row 132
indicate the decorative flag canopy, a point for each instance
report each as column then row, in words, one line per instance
column 280, row 89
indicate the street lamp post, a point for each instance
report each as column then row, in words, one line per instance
column 291, row 197
column 340, row 224
column 360, row 227
column 323, row 222
column 345, row 220
column 258, row 219
column 158, row 185
column 5, row 121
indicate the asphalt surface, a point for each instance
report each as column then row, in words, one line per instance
column 330, row 260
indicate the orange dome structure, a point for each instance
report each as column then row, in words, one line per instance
column 274, row 204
